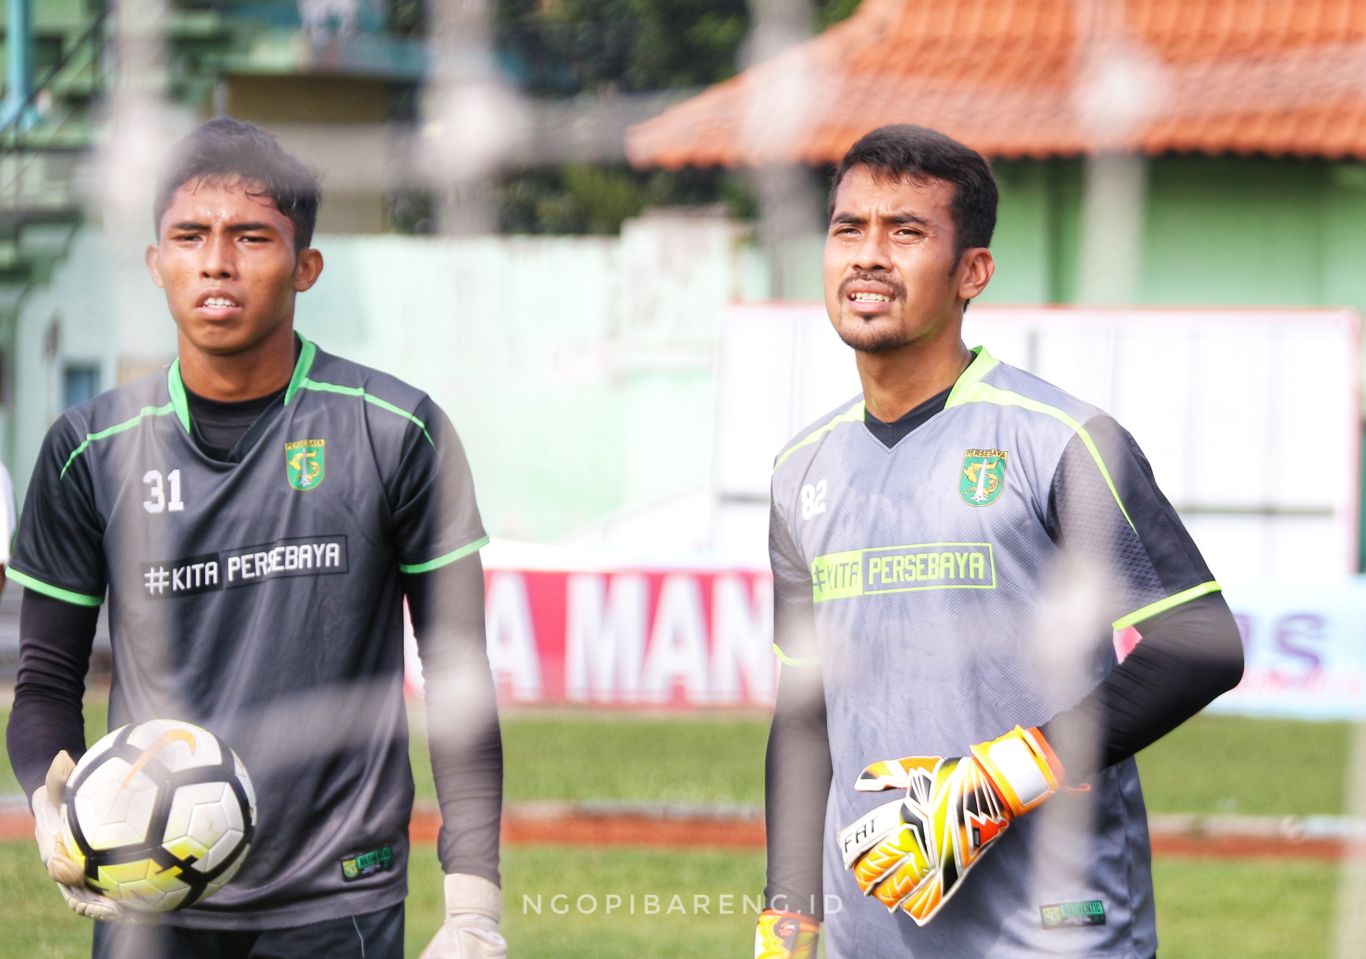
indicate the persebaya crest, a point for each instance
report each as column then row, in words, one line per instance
column 983, row 477
column 305, row 464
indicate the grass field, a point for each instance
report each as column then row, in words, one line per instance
column 1205, row 766
column 1206, row 908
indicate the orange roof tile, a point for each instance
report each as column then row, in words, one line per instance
column 1042, row 78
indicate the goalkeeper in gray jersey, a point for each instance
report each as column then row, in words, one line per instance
column 926, row 538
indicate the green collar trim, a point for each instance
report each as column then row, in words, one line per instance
column 300, row 382
column 977, row 369
column 179, row 402
column 307, row 351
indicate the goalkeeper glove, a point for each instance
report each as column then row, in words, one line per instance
column 70, row 878
column 473, row 907
column 785, row 935
column 913, row 853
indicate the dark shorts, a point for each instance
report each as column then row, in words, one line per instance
column 375, row 935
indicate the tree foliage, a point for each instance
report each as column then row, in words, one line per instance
column 564, row 48
column 579, row 198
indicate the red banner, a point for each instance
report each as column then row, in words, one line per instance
column 631, row 637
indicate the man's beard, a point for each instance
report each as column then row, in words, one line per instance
column 863, row 339
column 868, row 341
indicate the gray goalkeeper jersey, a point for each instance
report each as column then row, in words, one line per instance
column 964, row 581
column 262, row 600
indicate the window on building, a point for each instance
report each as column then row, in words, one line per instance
column 80, row 382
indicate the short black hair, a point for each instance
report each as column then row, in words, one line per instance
column 908, row 152
column 226, row 149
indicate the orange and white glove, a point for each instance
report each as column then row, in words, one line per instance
column 914, row 853
column 70, row 878
column 785, row 935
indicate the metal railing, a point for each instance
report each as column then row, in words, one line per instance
column 39, row 130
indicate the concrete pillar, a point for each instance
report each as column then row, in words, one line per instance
column 19, row 79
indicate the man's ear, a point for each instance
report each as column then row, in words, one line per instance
column 975, row 272
column 150, row 258
column 307, row 268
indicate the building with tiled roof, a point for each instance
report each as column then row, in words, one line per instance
column 1150, row 153
column 1043, row 78
column 1232, row 135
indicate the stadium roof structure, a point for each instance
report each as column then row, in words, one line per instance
column 1042, row 78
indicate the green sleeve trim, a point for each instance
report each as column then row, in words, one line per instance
column 179, row 402
column 56, row 592
column 307, row 351
column 1162, row 605
column 977, row 369
column 853, row 414
column 307, row 384
column 118, row 428
column 983, row 393
column 787, row 660
column 446, row 560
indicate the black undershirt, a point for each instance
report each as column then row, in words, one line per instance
column 889, row 434
column 226, row 430
column 219, row 427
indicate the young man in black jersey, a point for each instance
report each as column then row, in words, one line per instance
column 253, row 443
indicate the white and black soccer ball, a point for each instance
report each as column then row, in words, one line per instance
column 159, row 815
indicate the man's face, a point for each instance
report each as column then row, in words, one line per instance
column 225, row 257
column 893, row 276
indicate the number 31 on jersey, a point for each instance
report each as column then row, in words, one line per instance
column 163, row 493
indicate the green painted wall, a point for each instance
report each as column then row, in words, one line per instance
column 1023, row 245
column 1217, row 232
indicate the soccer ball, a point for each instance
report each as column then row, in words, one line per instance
column 159, row 815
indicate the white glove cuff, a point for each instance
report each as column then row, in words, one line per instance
column 48, row 823
column 1022, row 767
column 1016, row 763
column 473, row 894
column 38, row 800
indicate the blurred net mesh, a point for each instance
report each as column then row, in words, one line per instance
column 475, row 123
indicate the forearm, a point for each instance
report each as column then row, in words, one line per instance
column 797, row 774
column 467, row 766
column 465, row 741
column 54, row 653
column 1187, row 657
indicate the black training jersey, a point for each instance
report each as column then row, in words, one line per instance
column 261, row 599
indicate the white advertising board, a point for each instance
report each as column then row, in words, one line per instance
column 1250, row 418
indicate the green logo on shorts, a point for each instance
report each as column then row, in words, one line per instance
column 304, row 463
column 1061, row 914
column 983, row 477
column 367, row 863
